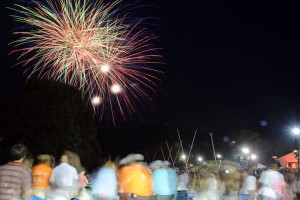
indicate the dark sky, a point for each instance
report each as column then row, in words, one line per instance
column 229, row 65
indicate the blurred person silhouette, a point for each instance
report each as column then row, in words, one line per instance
column 173, row 177
column 290, row 190
column 135, row 178
column 28, row 161
column 272, row 184
column 164, row 179
column 41, row 175
column 15, row 178
column 193, row 186
column 297, row 186
column 183, row 181
column 248, row 189
column 232, row 184
column 64, row 180
column 74, row 160
column 105, row 185
column 208, row 186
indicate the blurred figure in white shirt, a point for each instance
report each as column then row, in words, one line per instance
column 272, row 185
column 64, row 179
column 248, row 186
column 182, row 187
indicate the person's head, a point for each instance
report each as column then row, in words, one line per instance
column 64, row 159
column 132, row 158
column 156, row 165
column 74, row 160
column 167, row 164
column 28, row 162
column 45, row 159
column 109, row 164
column 18, row 152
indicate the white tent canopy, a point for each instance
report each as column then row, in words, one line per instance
column 260, row 166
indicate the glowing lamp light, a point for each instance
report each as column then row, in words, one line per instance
column 105, row 68
column 115, row 88
column 296, row 131
column 245, row 150
column 253, row 157
column 200, row 159
column 219, row 156
column 183, row 156
column 96, row 100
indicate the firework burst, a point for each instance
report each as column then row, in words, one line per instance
column 89, row 46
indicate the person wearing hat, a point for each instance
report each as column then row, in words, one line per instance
column 134, row 177
column 165, row 180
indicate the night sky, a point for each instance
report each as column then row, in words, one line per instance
column 230, row 64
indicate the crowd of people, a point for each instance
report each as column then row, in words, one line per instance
column 132, row 178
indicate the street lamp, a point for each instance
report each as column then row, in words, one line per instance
column 245, row 150
column 183, row 156
column 200, row 159
column 296, row 131
column 253, row 157
column 219, row 156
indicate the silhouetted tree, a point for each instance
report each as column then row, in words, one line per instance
column 245, row 138
column 49, row 117
column 256, row 144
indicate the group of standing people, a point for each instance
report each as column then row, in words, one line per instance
column 20, row 180
column 132, row 178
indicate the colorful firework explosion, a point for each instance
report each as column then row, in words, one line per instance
column 89, row 46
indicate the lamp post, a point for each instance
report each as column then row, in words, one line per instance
column 253, row 158
column 246, row 151
column 296, row 131
column 219, row 156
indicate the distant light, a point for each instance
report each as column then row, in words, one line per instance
column 96, row 100
column 183, row 156
column 227, row 171
column 226, row 139
column 115, row 88
column 105, row 68
column 200, row 159
column 219, row 156
column 253, row 156
column 245, row 150
column 263, row 123
column 296, row 131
